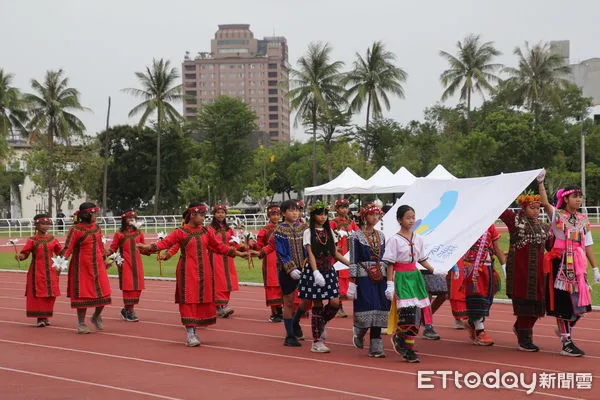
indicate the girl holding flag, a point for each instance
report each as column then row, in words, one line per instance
column 568, row 295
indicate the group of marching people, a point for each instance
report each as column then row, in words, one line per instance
column 545, row 270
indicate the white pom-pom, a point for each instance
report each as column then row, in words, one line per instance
column 161, row 235
column 60, row 263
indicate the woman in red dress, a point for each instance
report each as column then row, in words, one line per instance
column 42, row 277
column 194, row 292
column 226, row 279
column 88, row 284
column 130, row 267
column 343, row 226
column 273, row 294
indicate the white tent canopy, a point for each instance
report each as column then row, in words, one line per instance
column 382, row 181
column 344, row 183
column 439, row 172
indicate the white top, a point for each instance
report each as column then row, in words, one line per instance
column 398, row 249
column 306, row 236
column 560, row 234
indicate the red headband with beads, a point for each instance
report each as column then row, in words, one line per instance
column 87, row 210
column 218, row 207
column 128, row 214
column 43, row 221
column 196, row 209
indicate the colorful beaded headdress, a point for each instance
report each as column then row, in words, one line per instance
column 527, row 198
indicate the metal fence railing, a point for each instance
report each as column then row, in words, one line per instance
column 23, row 227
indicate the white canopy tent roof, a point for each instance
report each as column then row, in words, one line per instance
column 346, row 182
column 439, row 172
column 382, row 181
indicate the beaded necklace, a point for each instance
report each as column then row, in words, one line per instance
column 321, row 235
column 374, row 243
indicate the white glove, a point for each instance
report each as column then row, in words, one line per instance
column 389, row 291
column 351, row 294
column 504, row 269
column 541, row 176
column 342, row 233
column 295, row 274
column 319, row 280
column 596, row 275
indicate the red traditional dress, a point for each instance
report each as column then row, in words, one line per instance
column 269, row 266
column 88, row 284
column 346, row 225
column 195, row 289
column 525, row 276
column 42, row 279
column 458, row 298
column 131, row 272
column 226, row 279
column 481, row 280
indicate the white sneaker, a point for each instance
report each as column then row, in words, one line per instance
column 459, row 324
column 319, row 347
column 193, row 341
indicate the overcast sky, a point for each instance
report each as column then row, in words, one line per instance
column 101, row 44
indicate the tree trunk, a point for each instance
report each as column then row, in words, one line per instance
column 105, row 180
column 314, row 149
column 329, row 161
column 157, row 190
column 469, row 123
column 368, row 111
column 51, row 154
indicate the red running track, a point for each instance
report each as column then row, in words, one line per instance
column 243, row 357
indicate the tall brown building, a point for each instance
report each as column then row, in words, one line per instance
column 238, row 65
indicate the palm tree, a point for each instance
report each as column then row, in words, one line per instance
column 315, row 84
column 540, row 75
column 51, row 112
column 470, row 70
column 372, row 78
column 13, row 114
column 159, row 89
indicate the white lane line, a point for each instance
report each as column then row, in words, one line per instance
column 60, row 378
column 210, row 370
column 493, row 363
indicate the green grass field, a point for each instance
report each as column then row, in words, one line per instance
column 245, row 274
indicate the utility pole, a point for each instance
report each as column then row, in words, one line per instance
column 106, row 148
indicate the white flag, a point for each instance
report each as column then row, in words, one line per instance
column 452, row 214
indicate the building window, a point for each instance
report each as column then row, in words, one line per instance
column 190, row 76
column 272, row 66
column 273, row 125
column 190, row 67
column 190, row 100
column 273, row 108
column 190, row 84
column 231, row 42
column 273, row 117
column 233, row 51
column 273, row 99
column 190, row 110
column 273, row 133
column 272, row 91
column 207, row 66
column 272, row 74
column 272, row 83
column 190, row 92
